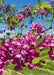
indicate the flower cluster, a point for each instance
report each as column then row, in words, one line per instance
column 48, row 42
column 22, row 50
column 36, row 27
column 3, row 58
column 19, row 51
column 6, row 8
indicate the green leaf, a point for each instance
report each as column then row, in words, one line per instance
column 37, row 14
column 22, row 26
column 43, row 63
column 48, row 20
column 0, row 2
column 52, row 16
column 42, row 17
column 39, row 41
column 39, row 3
column 1, row 15
column 34, row 10
column 36, row 36
column 38, row 17
column 24, row 18
column 46, row 14
column 15, row 24
column 17, row 20
column 8, row 21
column 1, row 22
column 8, row 33
column 44, row 3
column 1, row 46
column 25, row 27
column 23, row 6
column 35, row 60
column 37, row 48
column 32, row 18
column 13, row 6
column 45, row 50
column 43, row 56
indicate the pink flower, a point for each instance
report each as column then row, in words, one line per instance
column 53, row 1
column 47, row 2
column 36, row 6
column 42, row 11
column 4, row 7
column 46, row 9
column 20, row 16
column 29, row 7
column 6, row 18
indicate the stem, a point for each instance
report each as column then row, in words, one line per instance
column 47, row 29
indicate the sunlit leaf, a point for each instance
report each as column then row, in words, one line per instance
column 48, row 20
column 35, row 60
column 45, row 50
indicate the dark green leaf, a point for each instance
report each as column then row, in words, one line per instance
column 39, row 2
column 8, row 21
column 46, row 14
column 43, row 62
column 22, row 26
column 42, row 17
column 25, row 27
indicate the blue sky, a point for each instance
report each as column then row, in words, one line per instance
column 20, row 2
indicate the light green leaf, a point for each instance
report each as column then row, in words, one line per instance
column 34, row 10
column 45, row 50
column 35, row 60
column 37, row 48
column 0, row 2
column 43, row 56
column 36, row 36
column 48, row 20
column 39, row 41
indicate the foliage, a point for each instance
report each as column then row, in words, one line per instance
column 30, row 48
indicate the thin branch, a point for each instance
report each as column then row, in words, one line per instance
column 47, row 29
